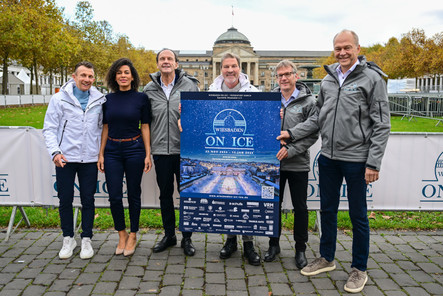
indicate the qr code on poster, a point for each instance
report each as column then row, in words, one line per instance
column 267, row 192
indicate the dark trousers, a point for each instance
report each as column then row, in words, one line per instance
column 331, row 174
column 87, row 179
column 167, row 167
column 126, row 158
column 298, row 187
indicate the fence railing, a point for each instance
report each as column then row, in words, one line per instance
column 423, row 105
column 21, row 100
column 419, row 104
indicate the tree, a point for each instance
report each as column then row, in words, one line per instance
column 143, row 60
column 43, row 23
column 11, row 35
column 96, row 39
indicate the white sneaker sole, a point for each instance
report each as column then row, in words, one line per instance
column 356, row 290
column 324, row 269
column 86, row 256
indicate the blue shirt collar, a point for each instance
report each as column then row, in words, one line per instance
column 293, row 97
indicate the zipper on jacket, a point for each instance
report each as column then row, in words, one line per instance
column 283, row 122
column 359, row 123
column 380, row 112
column 63, row 132
column 167, row 112
column 333, row 125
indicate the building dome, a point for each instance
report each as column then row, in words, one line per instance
column 232, row 36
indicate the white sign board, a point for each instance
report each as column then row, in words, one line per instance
column 411, row 175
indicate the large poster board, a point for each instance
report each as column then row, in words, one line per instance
column 229, row 172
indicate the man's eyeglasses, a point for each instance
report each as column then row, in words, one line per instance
column 287, row 75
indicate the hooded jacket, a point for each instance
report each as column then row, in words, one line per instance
column 70, row 130
column 243, row 79
column 298, row 111
column 353, row 118
column 165, row 134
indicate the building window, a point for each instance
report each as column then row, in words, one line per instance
column 262, row 74
column 195, row 73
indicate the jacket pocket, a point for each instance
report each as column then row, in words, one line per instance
column 63, row 133
column 360, row 124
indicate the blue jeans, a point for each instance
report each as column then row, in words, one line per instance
column 126, row 158
column 87, row 179
column 331, row 173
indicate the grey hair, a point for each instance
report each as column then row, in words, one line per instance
column 354, row 35
column 286, row 63
column 229, row 55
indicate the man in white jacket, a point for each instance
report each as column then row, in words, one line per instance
column 232, row 80
column 72, row 130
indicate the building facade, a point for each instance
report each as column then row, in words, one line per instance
column 259, row 65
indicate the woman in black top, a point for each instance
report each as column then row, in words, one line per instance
column 125, row 148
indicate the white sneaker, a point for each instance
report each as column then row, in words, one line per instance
column 87, row 250
column 68, row 247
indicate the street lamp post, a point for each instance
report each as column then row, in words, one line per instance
column 204, row 68
column 272, row 69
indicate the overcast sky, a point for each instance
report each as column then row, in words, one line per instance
column 268, row 24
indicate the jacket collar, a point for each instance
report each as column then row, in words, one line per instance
column 67, row 89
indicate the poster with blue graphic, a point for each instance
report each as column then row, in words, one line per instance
column 229, row 173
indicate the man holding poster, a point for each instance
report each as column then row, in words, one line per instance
column 232, row 80
column 298, row 104
column 164, row 94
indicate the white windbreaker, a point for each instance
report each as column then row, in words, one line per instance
column 69, row 129
column 244, row 82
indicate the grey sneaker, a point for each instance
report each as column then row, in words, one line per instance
column 356, row 281
column 317, row 266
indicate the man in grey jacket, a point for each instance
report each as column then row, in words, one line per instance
column 232, row 79
column 298, row 104
column 164, row 95
column 353, row 118
column 72, row 131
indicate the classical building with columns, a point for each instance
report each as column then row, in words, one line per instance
column 259, row 65
column 430, row 83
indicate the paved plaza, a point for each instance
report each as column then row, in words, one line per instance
column 400, row 263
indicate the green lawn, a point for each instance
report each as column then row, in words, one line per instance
column 34, row 116
column 399, row 124
column 23, row 116
column 44, row 218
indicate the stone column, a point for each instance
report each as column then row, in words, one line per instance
column 214, row 69
column 256, row 73
column 248, row 69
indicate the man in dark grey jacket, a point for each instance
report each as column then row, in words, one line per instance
column 298, row 104
column 353, row 118
column 164, row 95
